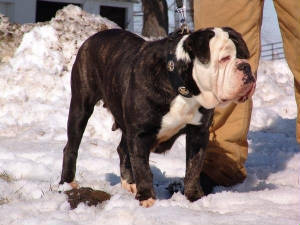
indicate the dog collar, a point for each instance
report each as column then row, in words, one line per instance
column 175, row 78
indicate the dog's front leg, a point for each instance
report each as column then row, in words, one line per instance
column 139, row 152
column 196, row 141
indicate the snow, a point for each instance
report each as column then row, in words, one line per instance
column 34, row 101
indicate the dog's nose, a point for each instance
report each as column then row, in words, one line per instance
column 245, row 67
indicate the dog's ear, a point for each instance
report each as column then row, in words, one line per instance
column 242, row 51
column 197, row 45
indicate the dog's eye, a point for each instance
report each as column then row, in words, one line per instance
column 225, row 59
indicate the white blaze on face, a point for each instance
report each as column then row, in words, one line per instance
column 217, row 79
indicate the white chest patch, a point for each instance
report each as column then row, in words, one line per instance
column 183, row 111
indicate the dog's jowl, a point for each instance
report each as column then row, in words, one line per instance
column 156, row 91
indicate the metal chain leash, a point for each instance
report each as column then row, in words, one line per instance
column 181, row 12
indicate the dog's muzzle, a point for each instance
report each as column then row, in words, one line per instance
column 248, row 81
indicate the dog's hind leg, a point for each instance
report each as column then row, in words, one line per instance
column 127, row 180
column 81, row 108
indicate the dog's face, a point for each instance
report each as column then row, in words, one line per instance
column 221, row 69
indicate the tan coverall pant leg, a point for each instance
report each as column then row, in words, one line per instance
column 228, row 148
column 288, row 13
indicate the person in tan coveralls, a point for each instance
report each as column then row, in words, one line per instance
column 228, row 148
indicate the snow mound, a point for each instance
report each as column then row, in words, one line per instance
column 37, row 76
column 69, row 22
column 73, row 26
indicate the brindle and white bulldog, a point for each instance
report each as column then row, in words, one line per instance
column 156, row 91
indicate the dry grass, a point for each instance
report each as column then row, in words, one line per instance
column 3, row 201
column 6, row 177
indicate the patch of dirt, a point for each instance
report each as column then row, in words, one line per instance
column 10, row 37
column 87, row 196
column 6, row 177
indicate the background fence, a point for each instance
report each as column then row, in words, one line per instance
column 272, row 51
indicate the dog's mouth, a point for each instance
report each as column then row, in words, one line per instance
column 244, row 96
column 249, row 92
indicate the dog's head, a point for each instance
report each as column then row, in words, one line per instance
column 221, row 71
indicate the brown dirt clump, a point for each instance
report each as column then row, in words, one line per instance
column 87, row 196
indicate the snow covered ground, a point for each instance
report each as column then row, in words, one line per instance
column 34, row 100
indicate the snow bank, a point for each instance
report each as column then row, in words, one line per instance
column 34, row 101
column 37, row 76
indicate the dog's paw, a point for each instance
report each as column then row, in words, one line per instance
column 68, row 186
column 74, row 184
column 129, row 187
column 147, row 203
column 193, row 196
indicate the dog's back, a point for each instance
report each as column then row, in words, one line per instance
column 103, row 65
column 106, row 52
